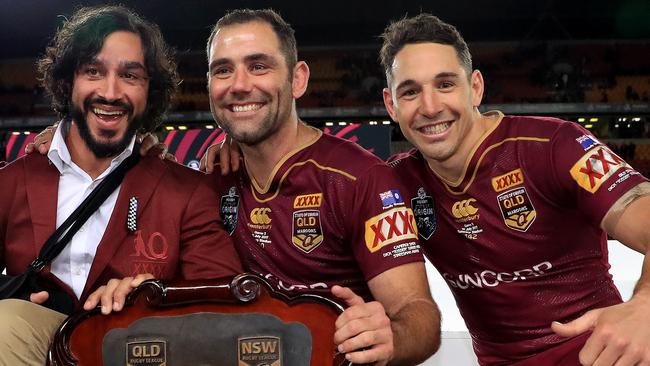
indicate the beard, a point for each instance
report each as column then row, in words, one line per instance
column 105, row 149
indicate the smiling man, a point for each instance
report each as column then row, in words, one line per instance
column 110, row 74
column 311, row 212
column 513, row 211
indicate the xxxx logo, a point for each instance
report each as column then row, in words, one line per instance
column 503, row 182
column 595, row 167
column 260, row 216
column 389, row 227
column 464, row 208
column 308, row 201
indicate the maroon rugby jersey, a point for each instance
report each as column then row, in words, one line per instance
column 518, row 237
column 332, row 214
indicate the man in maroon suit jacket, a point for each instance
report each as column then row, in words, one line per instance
column 110, row 75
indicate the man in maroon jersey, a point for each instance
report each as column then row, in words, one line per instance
column 313, row 212
column 514, row 211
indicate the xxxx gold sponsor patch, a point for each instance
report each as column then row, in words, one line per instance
column 517, row 209
column 510, row 179
column 308, row 200
column 146, row 353
column 595, row 167
column 389, row 227
column 259, row 351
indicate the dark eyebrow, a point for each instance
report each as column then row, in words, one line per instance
column 260, row 57
column 406, row 83
column 443, row 75
column 248, row 59
column 132, row 65
column 123, row 64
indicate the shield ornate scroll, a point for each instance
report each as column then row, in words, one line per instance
column 240, row 321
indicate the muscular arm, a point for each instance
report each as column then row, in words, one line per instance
column 621, row 333
column 414, row 316
column 627, row 221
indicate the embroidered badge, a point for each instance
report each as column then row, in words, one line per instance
column 425, row 216
column 307, row 230
column 517, row 209
column 228, row 210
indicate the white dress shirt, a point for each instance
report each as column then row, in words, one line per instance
column 72, row 265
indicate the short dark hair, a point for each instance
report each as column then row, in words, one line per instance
column 82, row 36
column 282, row 30
column 422, row 28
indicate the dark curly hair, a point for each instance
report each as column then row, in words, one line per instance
column 82, row 37
column 422, row 28
column 282, row 30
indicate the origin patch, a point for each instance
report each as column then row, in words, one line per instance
column 307, row 231
column 508, row 180
column 425, row 215
column 389, row 227
column 517, row 209
column 595, row 167
column 228, row 210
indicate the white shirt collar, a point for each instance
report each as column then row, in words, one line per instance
column 59, row 154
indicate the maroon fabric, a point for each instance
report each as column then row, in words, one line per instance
column 179, row 229
column 518, row 240
column 308, row 244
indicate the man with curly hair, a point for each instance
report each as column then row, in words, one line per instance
column 110, row 75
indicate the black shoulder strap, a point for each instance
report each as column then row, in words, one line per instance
column 62, row 235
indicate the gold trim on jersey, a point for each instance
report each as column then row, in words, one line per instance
column 269, row 180
column 487, row 150
column 286, row 173
column 499, row 117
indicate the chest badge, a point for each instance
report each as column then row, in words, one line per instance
column 517, row 209
column 425, row 216
column 306, row 228
column 228, row 210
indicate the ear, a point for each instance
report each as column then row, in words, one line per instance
column 477, row 88
column 300, row 79
column 388, row 102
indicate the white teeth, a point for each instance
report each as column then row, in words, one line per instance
column 107, row 113
column 246, row 108
column 435, row 129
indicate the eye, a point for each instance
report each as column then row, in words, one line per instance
column 220, row 71
column 446, row 85
column 258, row 67
column 408, row 93
column 91, row 71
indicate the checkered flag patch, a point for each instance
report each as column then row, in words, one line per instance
column 131, row 223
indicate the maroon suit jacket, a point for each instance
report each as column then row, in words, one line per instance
column 179, row 231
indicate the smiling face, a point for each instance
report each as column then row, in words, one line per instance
column 434, row 101
column 250, row 85
column 109, row 95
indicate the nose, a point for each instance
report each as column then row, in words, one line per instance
column 431, row 103
column 111, row 89
column 241, row 82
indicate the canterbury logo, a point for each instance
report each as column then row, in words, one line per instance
column 464, row 208
column 260, row 216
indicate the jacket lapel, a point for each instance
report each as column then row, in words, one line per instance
column 42, row 187
column 140, row 182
